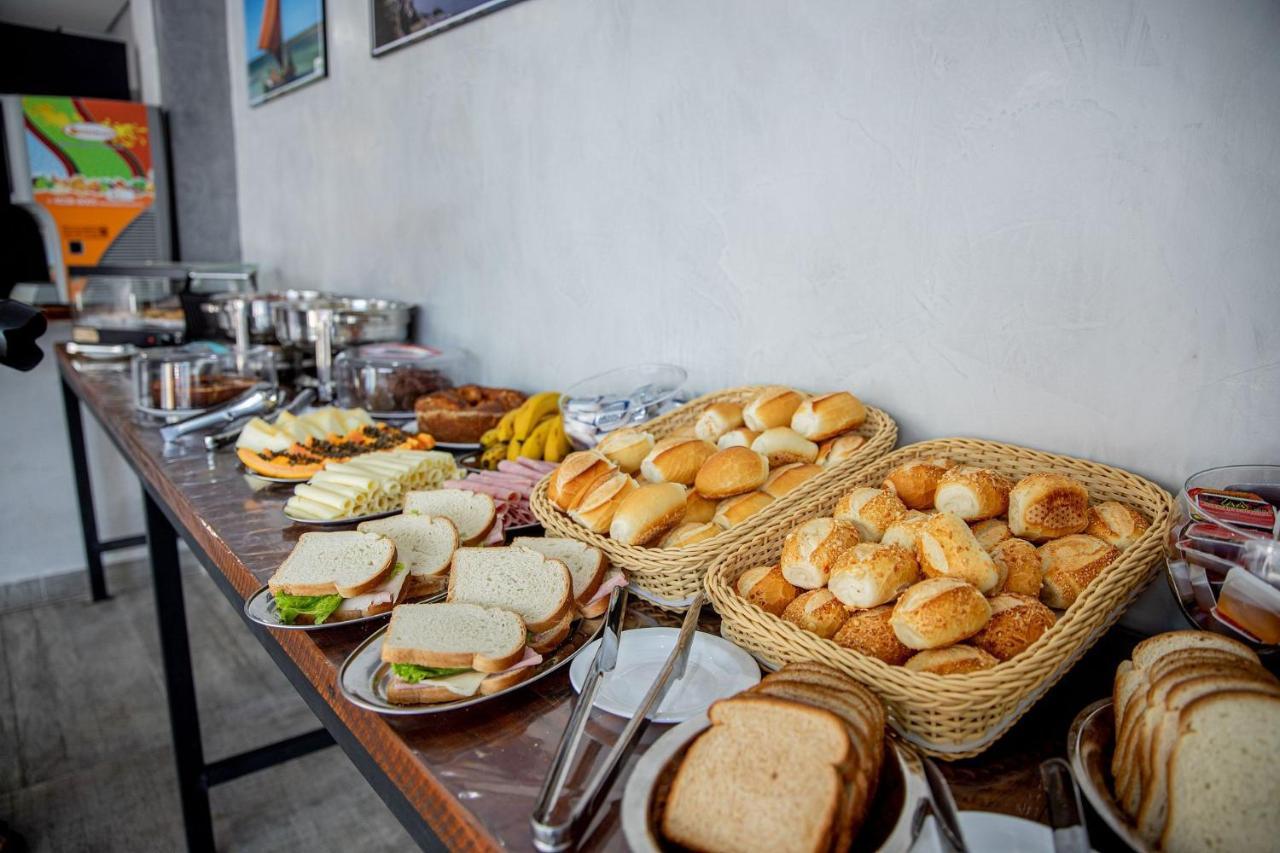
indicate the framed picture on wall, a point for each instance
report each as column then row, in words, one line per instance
column 284, row 46
column 395, row 23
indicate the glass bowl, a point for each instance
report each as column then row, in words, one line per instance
column 387, row 379
column 187, row 380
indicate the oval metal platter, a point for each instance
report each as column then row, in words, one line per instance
column 341, row 522
column 363, row 676
column 261, row 608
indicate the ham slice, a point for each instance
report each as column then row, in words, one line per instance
column 505, row 493
column 531, row 658
column 613, row 580
column 388, row 593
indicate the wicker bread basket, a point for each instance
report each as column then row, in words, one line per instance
column 675, row 574
column 955, row 716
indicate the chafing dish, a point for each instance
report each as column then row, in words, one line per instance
column 352, row 320
column 247, row 318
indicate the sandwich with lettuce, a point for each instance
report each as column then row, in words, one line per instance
column 333, row 577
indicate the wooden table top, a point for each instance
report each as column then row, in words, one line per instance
column 473, row 774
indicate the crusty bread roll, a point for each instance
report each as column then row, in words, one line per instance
column 906, row 530
column 689, row 533
column 1045, row 506
column 916, row 480
column 1069, row 565
column 939, row 612
column 833, row 451
column 730, row 472
column 1116, row 524
column 647, row 513
column 676, row 460
column 789, row 477
column 810, row 550
column 699, row 509
column 595, row 511
column 1016, row 622
column 991, row 532
column 952, row 660
column 784, row 446
column 828, row 415
column 1019, row 562
column 871, row 574
column 817, row 611
column 772, row 407
column 731, row 512
column 740, row 437
column 870, row 510
column 946, row 547
column 972, row 493
column 869, row 632
column 626, row 448
column 766, row 588
column 716, row 420
column 577, row 475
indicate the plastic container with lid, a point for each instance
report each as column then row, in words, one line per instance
column 186, row 380
column 626, row 397
column 387, row 379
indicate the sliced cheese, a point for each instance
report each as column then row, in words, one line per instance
column 463, row 684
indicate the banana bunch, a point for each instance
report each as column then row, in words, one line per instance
column 534, row 431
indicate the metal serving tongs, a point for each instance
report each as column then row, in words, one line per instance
column 935, row 800
column 552, row 838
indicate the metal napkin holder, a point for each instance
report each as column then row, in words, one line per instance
column 551, row 837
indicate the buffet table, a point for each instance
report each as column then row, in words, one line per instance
column 466, row 779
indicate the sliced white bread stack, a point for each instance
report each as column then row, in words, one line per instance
column 472, row 513
column 360, row 567
column 486, row 644
column 536, row 587
column 1185, row 785
column 586, row 566
column 424, row 547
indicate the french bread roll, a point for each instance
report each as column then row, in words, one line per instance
column 786, row 479
column 689, row 533
column 716, row 420
column 730, row 472
column 1046, row 506
column 700, row 509
column 972, row 493
column 766, row 588
column 1019, row 562
column 577, row 475
column 828, row 415
column 870, row 510
column 810, row 550
column 626, row 448
column 872, row 574
column 946, row 547
column 676, row 460
column 869, row 632
column 952, row 660
column 740, row 437
column 731, row 512
column 833, row 451
column 1016, row 622
column 784, row 446
column 1116, row 524
column 647, row 513
column 991, row 532
column 817, row 611
column 906, row 530
column 1070, row 564
column 772, row 407
column 596, row 510
column 939, row 612
column 916, row 480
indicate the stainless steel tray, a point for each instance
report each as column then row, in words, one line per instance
column 1089, row 746
column 261, row 608
column 340, row 522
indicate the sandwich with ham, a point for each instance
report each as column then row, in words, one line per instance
column 333, row 577
column 447, row 652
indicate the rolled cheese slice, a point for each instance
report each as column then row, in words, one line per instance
column 342, row 502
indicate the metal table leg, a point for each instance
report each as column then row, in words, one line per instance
column 84, row 494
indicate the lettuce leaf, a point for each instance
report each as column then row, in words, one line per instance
column 413, row 673
column 400, row 567
column 318, row 607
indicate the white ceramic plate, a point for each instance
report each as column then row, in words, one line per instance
column 991, row 831
column 717, row 669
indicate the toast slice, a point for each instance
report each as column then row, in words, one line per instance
column 348, row 563
column 586, row 564
column 424, row 547
column 472, row 513
column 517, row 579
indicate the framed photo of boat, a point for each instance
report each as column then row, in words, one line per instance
column 284, row 46
column 395, row 23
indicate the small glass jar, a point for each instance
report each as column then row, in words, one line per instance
column 387, row 379
column 186, row 380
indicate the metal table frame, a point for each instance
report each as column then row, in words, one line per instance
column 196, row 775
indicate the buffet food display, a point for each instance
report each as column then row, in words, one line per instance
column 367, row 485
column 299, row 448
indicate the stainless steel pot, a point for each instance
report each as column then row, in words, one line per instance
column 352, row 320
column 230, row 310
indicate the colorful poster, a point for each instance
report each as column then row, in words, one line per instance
column 285, row 45
column 394, row 23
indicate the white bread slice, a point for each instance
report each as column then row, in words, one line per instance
column 520, row 580
column 1223, row 784
column 472, row 513
column 486, row 639
column 586, row 564
column 425, row 546
column 348, row 563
